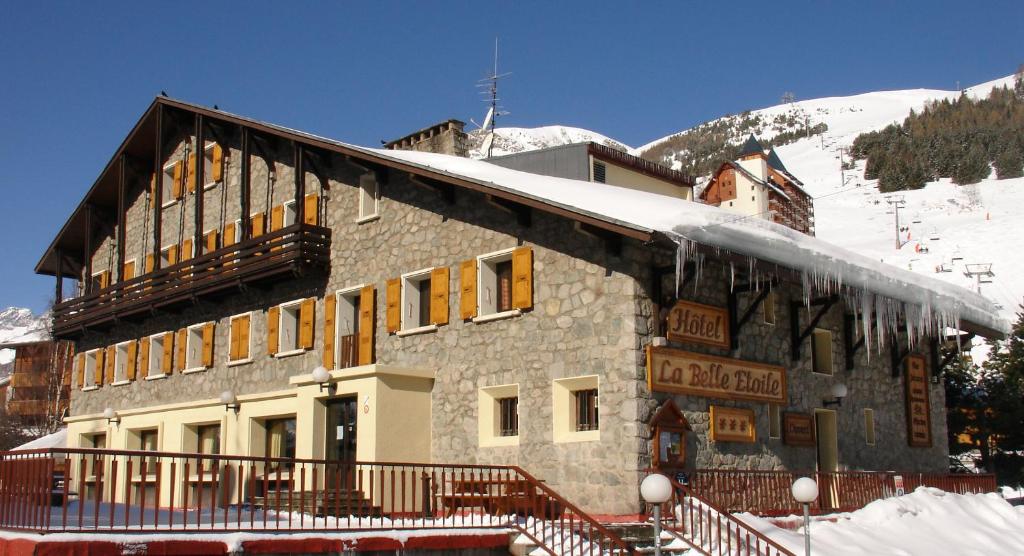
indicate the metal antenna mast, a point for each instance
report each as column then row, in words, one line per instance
column 490, row 92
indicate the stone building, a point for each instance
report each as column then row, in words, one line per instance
column 40, row 381
column 476, row 314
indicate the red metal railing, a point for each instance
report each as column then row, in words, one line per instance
column 711, row 530
column 136, row 491
column 768, row 492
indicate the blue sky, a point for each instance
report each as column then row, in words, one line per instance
column 77, row 75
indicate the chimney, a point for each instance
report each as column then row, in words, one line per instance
column 446, row 137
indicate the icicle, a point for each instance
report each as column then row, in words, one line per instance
column 732, row 277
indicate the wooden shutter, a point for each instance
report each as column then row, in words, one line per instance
column 217, row 165
column 211, row 241
column 98, row 374
column 108, row 365
column 104, row 279
column 367, row 311
column 233, row 337
column 229, row 234
column 128, row 272
column 277, row 218
column 133, row 352
column 208, row 330
column 186, row 249
column 178, row 184
column 144, row 357
column 257, row 220
column 152, row 190
column 307, row 311
column 149, row 263
column 168, row 365
column 190, row 179
column 522, row 278
column 273, row 321
column 244, row 325
column 439, row 296
column 330, row 313
column 393, row 305
column 310, row 215
column 80, row 361
column 467, row 289
column 172, row 255
column 182, row 344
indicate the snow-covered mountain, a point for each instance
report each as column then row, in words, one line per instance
column 19, row 325
column 509, row 140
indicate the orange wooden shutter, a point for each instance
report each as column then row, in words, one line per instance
column 178, row 185
column 217, row 165
column 208, row 330
column 133, row 352
column 172, row 255
column 182, row 343
column 467, row 289
column 522, row 278
column 367, row 311
column 211, row 241
column 273, row 319
column 310, row 210
column 393, row 305
column 128, row 272
column 149, row 263
column 168, row 365
column 439, row 296
column 98, row 374
column 144, row 357
column 186, row 249
column 277, row 218
column 306, row 314
column 80, row 361
column 108, row 364
column 229, row 234
column 104, row 279
column 258, row 220
column 243, row 336
column 152, row 190
column 233, row 331
column 330, row 312
column 191, row 173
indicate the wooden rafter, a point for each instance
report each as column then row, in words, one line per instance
column 736, row 321
column 851, row 347
column 797, row 336
column 897, row 354
column 612, row 241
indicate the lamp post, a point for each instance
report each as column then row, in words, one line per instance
column 805, row 491
column 656, row 489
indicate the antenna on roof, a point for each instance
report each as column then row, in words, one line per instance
column 489, row 85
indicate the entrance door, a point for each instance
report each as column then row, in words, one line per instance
column 340, row 447
column 828, row 441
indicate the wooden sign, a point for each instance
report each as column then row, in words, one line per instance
column 693, row 322
column 798, row 429
column 919, row 419
column 732, row 424
column 696, row 374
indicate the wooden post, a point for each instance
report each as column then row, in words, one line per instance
column 121, row 220
column 243, row 191
column 199, row 241
column 158, row 188
column 300, row 184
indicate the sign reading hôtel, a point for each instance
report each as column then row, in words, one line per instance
column 693, row 322
column 696, row 374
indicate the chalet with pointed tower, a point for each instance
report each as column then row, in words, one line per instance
column 758, row 184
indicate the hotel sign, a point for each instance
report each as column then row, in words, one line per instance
column 919, row 425
column 797, row 429
column 693, row 322
column 696, row 374
column 732, row 424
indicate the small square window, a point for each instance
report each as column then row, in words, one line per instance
column 586, row 409
column 576, row 409
column 499, row 415
column 821, row 351
column 369, row 197
column 508, row 423
column 416, row 300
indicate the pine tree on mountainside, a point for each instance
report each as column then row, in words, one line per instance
column 972, row 166
column 1009, row 162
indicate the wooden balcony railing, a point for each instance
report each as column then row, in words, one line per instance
column 294, row 248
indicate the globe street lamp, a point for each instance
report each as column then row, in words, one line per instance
column 805, row 491
column 656, row 489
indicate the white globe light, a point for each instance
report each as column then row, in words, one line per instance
column 109, row 413
column 839, row 390
column 227, row 397
column 805, row 490
column 321, row 375
column 656, row 488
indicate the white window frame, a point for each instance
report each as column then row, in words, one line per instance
column 94, row 275
column 831, row 345
column 289, row 206
column 563, row 393
column 409, row 281
column 121, row 364
column 156, row 368
column 486, row 309
column 489, row 415
column 294, row 349
column 208, row 172
column 870, row 432
column 193, row 352
column 341, row 298
column 89, row 379
column 363, row 199
column 167, row 185
column 167, row 249
column 243, row 361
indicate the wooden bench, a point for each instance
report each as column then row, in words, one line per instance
column 320, row 503
column 499, row 497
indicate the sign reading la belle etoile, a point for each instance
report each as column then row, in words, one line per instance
column 694, row 322
column 683, row 372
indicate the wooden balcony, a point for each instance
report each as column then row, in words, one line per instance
column 292, row 250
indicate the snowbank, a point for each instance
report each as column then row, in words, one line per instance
column 926, row 522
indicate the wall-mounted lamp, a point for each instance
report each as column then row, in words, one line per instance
column 838, row 393
column 227, row 398
column 323, row 377
column 659, row 341
column 111, row 416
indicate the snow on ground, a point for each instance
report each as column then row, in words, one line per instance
column 58, row 439
column 926, row 522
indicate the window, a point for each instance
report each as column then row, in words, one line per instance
column 208, row 442
column 240, row 345
column 280, row 440
column 495, row 278
column 121, row 362
column 289, row 214
column 348, row 328
column 416, row 300
column 768, row 308
column 148, row 442
column 821, row 351
column 599, row 172
column 369, row 197
column 289, row 328
column 498, row 415
column 168, row 256
column 167, row 186
column 159, row 355
column 576, row 409
column 869, row 427
column 93, row 368
column 774, row 421
column 194, row 347
column 97, row 441
column 210, row 176
column 586, row 409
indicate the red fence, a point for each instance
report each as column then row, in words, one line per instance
column 768, row 492
column 136, row 491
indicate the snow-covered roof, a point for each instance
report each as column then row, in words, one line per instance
column 58, row 439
